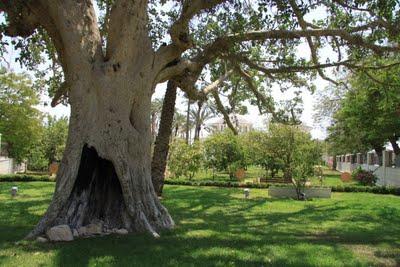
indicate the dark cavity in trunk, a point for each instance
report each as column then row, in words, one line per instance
column 96, row 195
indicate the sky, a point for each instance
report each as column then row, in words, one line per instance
column 253, row 116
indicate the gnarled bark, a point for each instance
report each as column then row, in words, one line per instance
column 161, row 146
column 105, row 173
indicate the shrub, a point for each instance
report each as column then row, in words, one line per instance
column 224, row 152
column 185, row 160
column 338, row 188
column 368, row 189
column 364, row 177
column 25, row 178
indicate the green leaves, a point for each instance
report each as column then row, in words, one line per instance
column 185, row 160
column 224, row 152
column 20, row 121
column 368, row 116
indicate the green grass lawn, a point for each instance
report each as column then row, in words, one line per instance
column 217, row 227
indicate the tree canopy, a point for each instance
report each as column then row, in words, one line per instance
column 259, row 41
column 20, row 120
column 368, row 116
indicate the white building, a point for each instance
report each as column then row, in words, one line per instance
column 239, row 121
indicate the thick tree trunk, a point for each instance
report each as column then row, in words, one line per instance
column 161, row 147
column 105, row 174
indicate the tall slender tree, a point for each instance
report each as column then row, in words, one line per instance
column 161, row 146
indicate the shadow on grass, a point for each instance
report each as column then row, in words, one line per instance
column 217, row 227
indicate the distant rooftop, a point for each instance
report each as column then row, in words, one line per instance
column 235, row 118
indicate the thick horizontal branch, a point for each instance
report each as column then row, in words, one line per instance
column 214, row 85
column 353, row 39
column 176, row 69
column 285, row 69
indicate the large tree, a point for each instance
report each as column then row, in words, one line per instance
column 110, row 68
column 368, row 116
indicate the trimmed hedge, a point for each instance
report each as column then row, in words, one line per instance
column 26, row 178
column 368, row 189
column 215, row 183
column 338, row 188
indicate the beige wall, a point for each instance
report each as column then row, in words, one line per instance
column 8, row 166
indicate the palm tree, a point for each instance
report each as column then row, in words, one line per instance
column 156, row 107
column 199, row 115
column 179, row 123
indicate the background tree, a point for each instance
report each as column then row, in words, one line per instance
column 257, row 148
column 296, row 151
column 224, row 152
column 306, row 154
column 111, row 65
column 20, row 121
column 55, row 138
column 179, row 124
column 368, row 114
column 199, row 115
column 50, row 145
column 185, row 159
column 161, row 145
column 156, row 107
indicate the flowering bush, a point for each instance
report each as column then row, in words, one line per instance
column 364, row 177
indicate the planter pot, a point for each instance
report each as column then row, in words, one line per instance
column 290, row 192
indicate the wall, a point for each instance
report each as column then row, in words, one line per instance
column 9, row 166
column 388, row 174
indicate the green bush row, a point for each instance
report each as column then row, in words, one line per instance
column 369, row 189
column 337, row 188
column 214, row 183
column 25, row 178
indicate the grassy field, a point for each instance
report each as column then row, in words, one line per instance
column 217, row 227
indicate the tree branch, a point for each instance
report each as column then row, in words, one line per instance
column 78, row 42
column 179, row 31
column 314, row 54
column 221, row 109
column 59, row 94
column 285, row 69
column 259, row 96
column 214, row 85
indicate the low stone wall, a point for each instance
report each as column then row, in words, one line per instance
column 387, row 176
column 9, row 166
column 290, row 192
